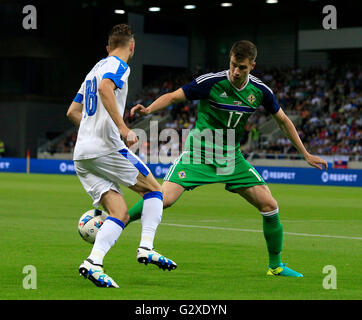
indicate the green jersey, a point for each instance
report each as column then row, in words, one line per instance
column 222, row 113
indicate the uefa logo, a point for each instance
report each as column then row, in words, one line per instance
column 63, row 167
column 265, row 174
column 158, row 171
column 325, row 177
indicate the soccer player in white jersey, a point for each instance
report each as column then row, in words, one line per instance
column 103, row 161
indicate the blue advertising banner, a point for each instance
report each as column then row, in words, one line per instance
column 311, row 176
column 52, row 166
column 308, row 176
column 12, row 165
column 159, row 170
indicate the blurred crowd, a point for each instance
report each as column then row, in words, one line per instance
column 328, row 101
column 155, row 89
column 64, row 145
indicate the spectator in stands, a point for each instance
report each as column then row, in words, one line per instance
column 357, row 149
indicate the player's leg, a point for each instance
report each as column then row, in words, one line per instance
column 151, row 215
column 171, row 193
column 145, row 184
column 247, row 182
column 111, row 229
column 106, row 192
column 261, row 198
column 107, row 236
column 152, row 208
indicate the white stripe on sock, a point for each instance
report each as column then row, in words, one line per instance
column 270, row 213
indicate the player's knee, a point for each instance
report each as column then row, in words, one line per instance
column 123, row 216
column 168, row 198
column 269, row 205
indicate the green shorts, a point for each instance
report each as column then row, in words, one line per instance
column 190, row 175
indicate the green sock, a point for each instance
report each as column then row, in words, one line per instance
column 273, row 234
column 135, row 212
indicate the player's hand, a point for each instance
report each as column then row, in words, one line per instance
column 130, row 137
column 140, row 109
column 316, row 162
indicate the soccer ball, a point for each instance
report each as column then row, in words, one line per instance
column 89, row 223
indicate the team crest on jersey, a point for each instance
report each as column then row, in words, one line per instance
column 251, row 98
column 182, row 174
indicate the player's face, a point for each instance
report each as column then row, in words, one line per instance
column 239, row 70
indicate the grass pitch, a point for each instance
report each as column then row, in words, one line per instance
column 214, row 236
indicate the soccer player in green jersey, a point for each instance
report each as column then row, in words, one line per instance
column 212, row 150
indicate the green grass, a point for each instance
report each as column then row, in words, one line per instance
column 39, row 215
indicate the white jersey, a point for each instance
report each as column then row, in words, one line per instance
column 98, row 135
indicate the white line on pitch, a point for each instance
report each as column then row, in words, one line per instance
column 249, row 230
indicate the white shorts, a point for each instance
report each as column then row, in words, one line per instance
column 99, row 175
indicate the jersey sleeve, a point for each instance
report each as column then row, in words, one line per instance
column 200, row 87
column 270, row 102
column 196, row 91
column 117, row 72
column 80, row 95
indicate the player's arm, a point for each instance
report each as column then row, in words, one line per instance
column 74, row 113
column 288, row 128
column 106, row 93
column 160, row 103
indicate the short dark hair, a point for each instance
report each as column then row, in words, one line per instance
column 244, row 49
column 119, row 36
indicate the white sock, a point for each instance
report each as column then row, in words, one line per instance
column 151, row 217
column 106, row 237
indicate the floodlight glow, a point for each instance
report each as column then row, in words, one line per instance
column 190, row 6
column 119, row 11
column 154, row 9
column 271, row 1
column 226, row 4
